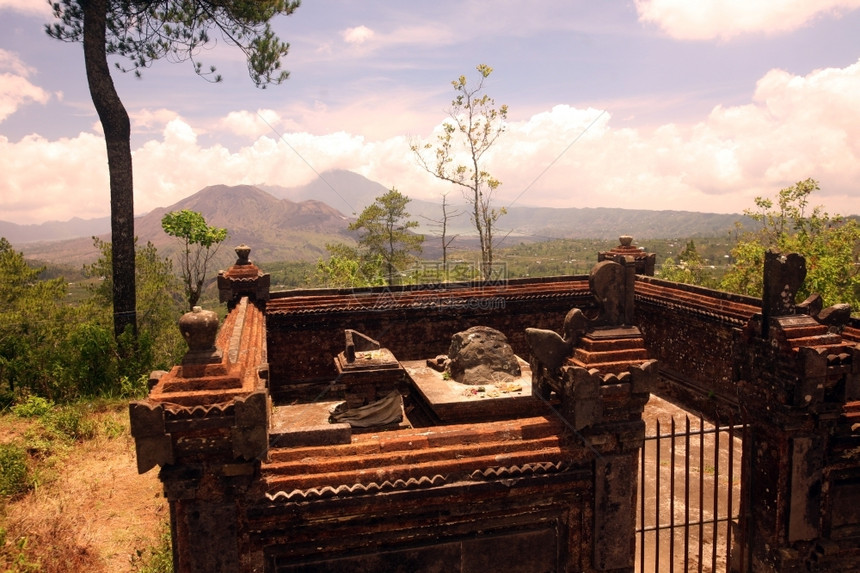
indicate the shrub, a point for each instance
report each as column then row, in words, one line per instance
column 155, row 559
column 72, row 423
column 14, row 470
column 33, row 407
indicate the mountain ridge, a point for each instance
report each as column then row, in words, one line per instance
column 281, row 223
column 276, row 229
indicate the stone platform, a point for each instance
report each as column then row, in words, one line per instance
column 452, row 401
column 301, row 425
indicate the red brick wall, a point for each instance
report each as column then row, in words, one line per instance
column 303, row 339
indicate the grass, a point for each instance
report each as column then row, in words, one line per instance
column 70, row 496
column 157, row 558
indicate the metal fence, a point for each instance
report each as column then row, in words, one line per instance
column 689, row 511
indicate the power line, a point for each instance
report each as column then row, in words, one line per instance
column 299, row 155
column 553, row 162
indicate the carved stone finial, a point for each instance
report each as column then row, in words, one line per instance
column 243, row 251
column 644, row 261
column 199, row 329
column 783, row 277
column 244, row 278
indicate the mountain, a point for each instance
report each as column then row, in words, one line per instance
column 275, row 229
column 352, row 192
column 54, row 230
column 346, row 191
column 282, row 224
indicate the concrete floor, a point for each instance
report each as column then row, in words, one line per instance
column 709, row 468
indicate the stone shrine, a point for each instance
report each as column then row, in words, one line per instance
column 539, row 472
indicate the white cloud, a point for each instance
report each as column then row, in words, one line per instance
column 249, row 124
column 10, row 62
column 709, row 19
column 53, row 180
column 146, row 119
column 357, row 35
column 792, row 128
column 32, row 7
column 15, row 89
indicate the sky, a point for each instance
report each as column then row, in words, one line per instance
column 640, row 104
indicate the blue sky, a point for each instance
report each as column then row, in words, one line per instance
column 645, row 104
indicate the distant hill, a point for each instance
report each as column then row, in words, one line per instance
column 54, row 230
column 276, row 229
column 294, row 224
column 542, row 223
column 351, row 192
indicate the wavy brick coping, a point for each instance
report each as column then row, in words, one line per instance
column 419, row 458
column 726, row 307
column 431, row 297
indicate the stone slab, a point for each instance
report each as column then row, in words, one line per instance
column 306, row 425
column 455, row 402
column 381, row 359
column 613, row 332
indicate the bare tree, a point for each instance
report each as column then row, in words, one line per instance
column 473, row 126
column 442, row 224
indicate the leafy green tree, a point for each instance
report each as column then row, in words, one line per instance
column 830, row 245
column 160, row 303
column 31, row 313
column 143, row 31
column 59, row 350
column 385, row 233
column 347, row 267
column 690, row 268
column 200, row 243
column 474, row 125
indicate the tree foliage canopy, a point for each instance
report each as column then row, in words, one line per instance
column 386, row 246
column 200, row 244
column 143, row 31
column 385, row 232
column 690, row 268
column 830, row 245
column 63, row 350
column 473, row 126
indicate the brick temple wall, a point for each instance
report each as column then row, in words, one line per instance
column 692, row 332
column 463, row 496
column 306, row 329
column 688, row 329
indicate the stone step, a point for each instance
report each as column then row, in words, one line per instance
column 404, row 471
column 361, row 461
column 416, row 438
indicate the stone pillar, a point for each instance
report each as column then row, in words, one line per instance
column 243, row 279
column 601, row 387
column 206, row 424
column 794, row 377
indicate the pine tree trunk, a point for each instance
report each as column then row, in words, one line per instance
column 117, row 131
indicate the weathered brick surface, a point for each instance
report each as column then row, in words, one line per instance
column 460, row 497
column 308, row 331
column 691, row 332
